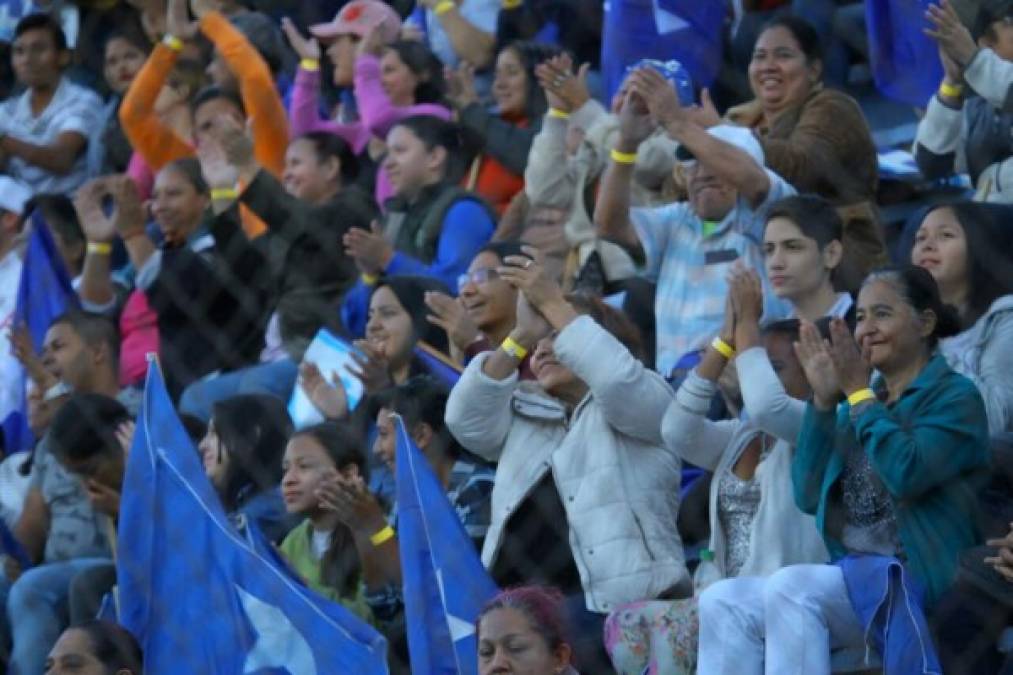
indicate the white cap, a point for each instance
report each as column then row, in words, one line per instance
column 742, row 138
column 13, row 195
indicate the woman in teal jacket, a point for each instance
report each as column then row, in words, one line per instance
column 891, row 476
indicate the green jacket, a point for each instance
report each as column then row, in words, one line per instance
column 930, row 449
column 299, row 553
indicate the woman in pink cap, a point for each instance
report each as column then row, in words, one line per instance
column 393, row 79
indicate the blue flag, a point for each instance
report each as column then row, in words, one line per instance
column 438, row 365
column 44, row 293
column 196, row 594
column 689, row 31
column 905, row 62
column 444, row 582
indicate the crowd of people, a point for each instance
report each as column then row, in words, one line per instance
column 694, row 407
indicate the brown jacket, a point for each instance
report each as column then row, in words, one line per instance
column 825, row 147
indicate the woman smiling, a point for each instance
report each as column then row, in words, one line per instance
column 815, row 138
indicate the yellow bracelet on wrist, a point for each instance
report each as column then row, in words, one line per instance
column 99, row 248
column 224, row 193
column 951, row 90
column 723, row 348
column 861, row 396
column 559, row 114
column 512, row 4
column 310, row 64
column 173, row 43
column 443, row 7
column 514, row 348
column 369, row 279
column 623, row 157
column 382, row 537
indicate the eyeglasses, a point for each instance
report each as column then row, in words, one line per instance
column 479, row 276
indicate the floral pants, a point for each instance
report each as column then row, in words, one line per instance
column 654, row 637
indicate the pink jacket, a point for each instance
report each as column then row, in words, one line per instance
column 377, row 115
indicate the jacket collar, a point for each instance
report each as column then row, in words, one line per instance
column 934, row 370
column 426, row 196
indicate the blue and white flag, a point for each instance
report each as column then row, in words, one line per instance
column 444, row 582
column 688, row 31
column 44, row 293
column 196, row 594
column 905, row 62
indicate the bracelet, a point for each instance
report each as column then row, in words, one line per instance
column 512, row 4
column 860, row 396
column 444, row 7
column 310, row 64
column 224, row 193
column 558, row 114
column 173, row 43
column 514, row 348
column 382, row 537
column 99, row 248
column 723, row 348
column 623, row 157
column 369, row 279
column 951, row 90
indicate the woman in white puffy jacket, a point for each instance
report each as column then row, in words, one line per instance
column 756, row 528
column 586, row 493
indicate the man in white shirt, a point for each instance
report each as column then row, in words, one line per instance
column 44, row 132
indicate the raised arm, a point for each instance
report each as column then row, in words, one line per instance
column 256, row 86
column 612, row 212
column 508, row 143
column 472, row 41
column 155, row 141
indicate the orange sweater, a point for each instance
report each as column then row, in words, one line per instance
column 159, row 144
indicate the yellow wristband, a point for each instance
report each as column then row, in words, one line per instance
column 369, row 279
column 723, row 348
column 99, row 248
column 310, row 64
column 861, row 396
column 173, row 43
column 444, row 7
column 224, row 193
column 951, row 90
column 514, row 348
column 559, row 114
column 512, row 4
column 382, row 537
column 623, row 157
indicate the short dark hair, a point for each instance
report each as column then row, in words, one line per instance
column 918, row 287
column 94, row 330
column 113, row 646
column 190, row 168
column 213, row 93
column 129, row 34
column 813, row 215
column 989, row 13
column 328, row 145
column 43, row 22
column 423, row 399
column 805, row 35
column 85, row 427
column 59, row 214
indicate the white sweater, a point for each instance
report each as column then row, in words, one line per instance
column 781, row 534
column 616, row 479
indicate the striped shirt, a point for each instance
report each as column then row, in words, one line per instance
column 688, row 260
